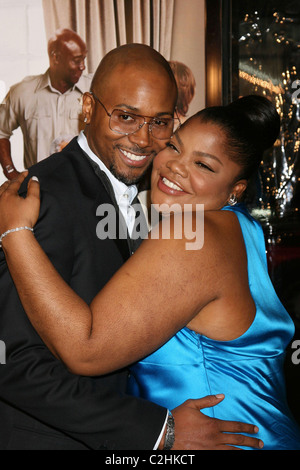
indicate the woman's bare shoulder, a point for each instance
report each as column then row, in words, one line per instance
column 222, row 234
column 196, row 231
column 225, row 222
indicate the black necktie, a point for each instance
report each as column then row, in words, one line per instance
column 140, row 230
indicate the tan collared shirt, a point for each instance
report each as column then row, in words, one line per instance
column 43, row 113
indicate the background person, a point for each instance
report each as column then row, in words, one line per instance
column 46, row 106
column 186, row 85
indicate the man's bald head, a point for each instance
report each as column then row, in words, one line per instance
column 131, row 82
column 140, row 56
column 67, row 53
column 61, row 38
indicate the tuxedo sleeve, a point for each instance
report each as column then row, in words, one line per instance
column 94, row 411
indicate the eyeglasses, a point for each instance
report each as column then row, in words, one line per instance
column 126, row 123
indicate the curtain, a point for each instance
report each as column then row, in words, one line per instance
column 153, row 24
column 106, row 24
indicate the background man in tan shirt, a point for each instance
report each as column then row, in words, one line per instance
column 46, row 106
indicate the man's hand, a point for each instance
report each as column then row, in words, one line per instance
column 196, row 431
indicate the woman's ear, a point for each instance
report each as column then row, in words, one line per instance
column 239, row 188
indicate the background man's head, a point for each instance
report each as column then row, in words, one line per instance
column 135, row 79
column 67, row 53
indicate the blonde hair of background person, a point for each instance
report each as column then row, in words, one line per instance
column 186, row 85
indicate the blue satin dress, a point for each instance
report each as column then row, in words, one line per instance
column 248, row 370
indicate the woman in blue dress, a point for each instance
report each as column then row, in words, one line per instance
column 210, row 315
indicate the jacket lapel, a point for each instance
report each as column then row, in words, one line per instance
column 108, row 197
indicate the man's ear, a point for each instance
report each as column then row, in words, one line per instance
column 54, row 57
column 239, row 188
column 87, row 107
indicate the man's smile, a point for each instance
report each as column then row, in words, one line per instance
column 134, row 159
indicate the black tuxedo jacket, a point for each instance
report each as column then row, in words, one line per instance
column 42, row 405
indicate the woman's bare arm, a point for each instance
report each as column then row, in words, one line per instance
column 147, row 301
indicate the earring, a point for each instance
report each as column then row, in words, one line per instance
column 85, row 119
column 232, row 200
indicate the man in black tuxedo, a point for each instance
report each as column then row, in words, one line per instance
column 42, row 405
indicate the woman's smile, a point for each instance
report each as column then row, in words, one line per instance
column 170, row 187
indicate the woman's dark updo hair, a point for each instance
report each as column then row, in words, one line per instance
column 251, row 125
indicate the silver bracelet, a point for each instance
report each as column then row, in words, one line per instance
column 170, row 434
column 14, row 230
